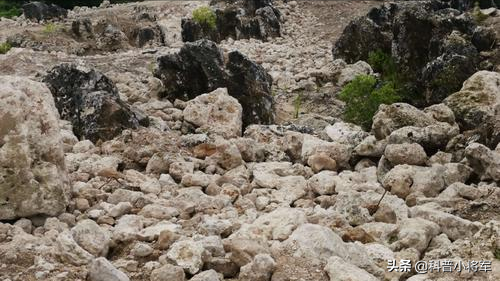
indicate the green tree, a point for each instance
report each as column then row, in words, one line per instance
column 363, row 96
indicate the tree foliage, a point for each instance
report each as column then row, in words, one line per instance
column 363, row 96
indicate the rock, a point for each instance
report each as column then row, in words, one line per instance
column 209, row 275
column 313, row 146
column 315, row 242
column 91, row 102
column 432, row 138
column 40, row 11
column 346, row 133
column 484, row 162
column 69, row 251
column 276, row 225
column 141, row 250
column 429, row 43
column 371, row 147
column 445, row 74
column 321, row 161
column 323, row 183
column 200, row 68
column 408, row 153
column 127, row 228
column 32, row 165
column 251, row 85
column 102, row 270
column 351, row 71
column 237, row 20
column 362, row 36
column 158, row 212
column 244, row 250
column 168, row 272
column 415, row 233
column 187, row 254
column 340, row 270
column 166, row 239
column 260, row 269
column 227, row 155
column 178, row 169
column 299, row 268
column 475, row 105
column 385, row 214
column 216, row 113
column 152, row 232
column 389, row 118
column 91, row 237
column 454, row 227
column 484, row 38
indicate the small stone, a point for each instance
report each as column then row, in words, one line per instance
column 166, row 239
column 168, row 272
column 141, row 250
column 385, row 214
column 91, row 237
column 82, row 204
column 187, row 254
column 357, row 234
column 102, row 270
column 25, row 225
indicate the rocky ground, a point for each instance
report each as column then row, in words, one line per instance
column 103, row 178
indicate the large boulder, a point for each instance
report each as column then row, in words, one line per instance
column 40, row 11
column 200, row 68
column 216, row 113
column 236, row 19
column 33, row 176
column 430, row 43
column 90, row 101
column 477, row 106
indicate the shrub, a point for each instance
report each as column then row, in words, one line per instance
column 205, row 17
column 363, row 96
column 297, row 104
column 50, row 28
column 9, row 9
column 4, row 48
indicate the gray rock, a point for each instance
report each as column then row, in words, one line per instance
column 91, row 237
column 408, row 153
column 340, row 270
column 188, row 254
column 215, row 113
column 91, row 101
column 168, row 272
column 32, row 165
column 102, row 270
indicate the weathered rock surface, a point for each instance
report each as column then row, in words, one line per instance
column 430, row 45
column 33, row 175
column 200, row 68
column 216, row 113
column 236, row 19
column 40, row 11
column 476, row 106
column 91, row 102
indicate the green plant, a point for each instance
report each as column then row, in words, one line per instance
column 4, row 48
column 9, row 9
column 297, row 103
column 363, row 96
column 384, row 64
column 205, row 17
column 50, row 28
column 496, row 253
column 478, row 16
